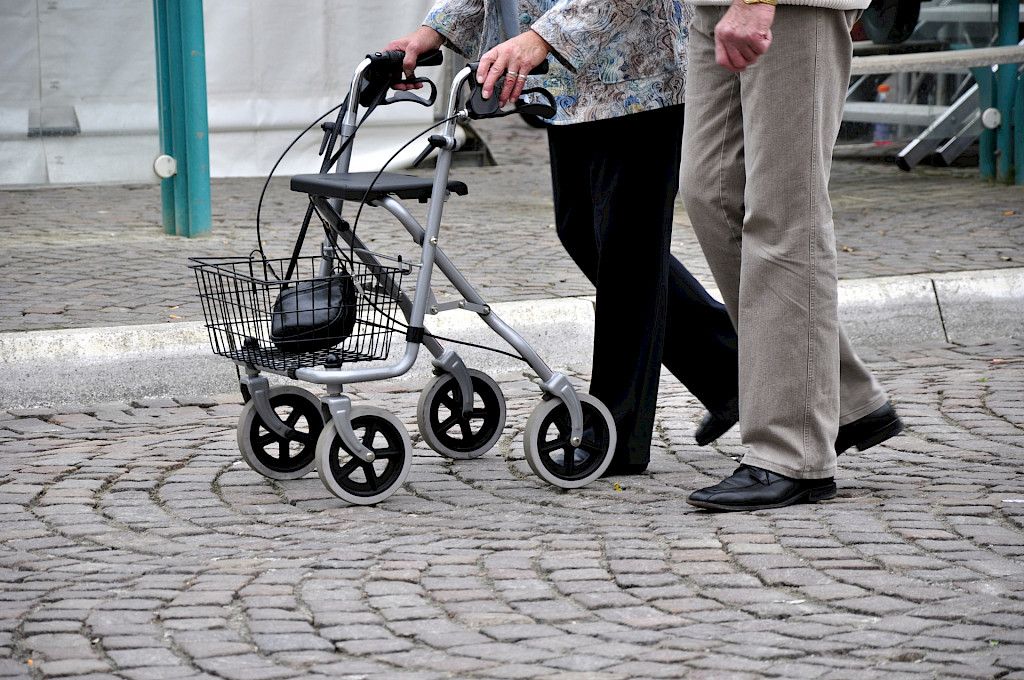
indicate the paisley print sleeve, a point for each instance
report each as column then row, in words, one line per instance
column 460, row 22
column 578, row 29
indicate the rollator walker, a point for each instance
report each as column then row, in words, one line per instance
column 315, row 318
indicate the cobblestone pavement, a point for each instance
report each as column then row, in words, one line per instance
column 96, row 255
column 134, row 544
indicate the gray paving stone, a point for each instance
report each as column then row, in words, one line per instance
column 945, row 220
column 149, row 552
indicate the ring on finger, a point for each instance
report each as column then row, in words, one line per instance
column 520, row 76
column 512, row 74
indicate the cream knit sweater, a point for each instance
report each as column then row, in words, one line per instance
column 831, row 4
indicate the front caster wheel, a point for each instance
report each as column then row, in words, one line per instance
column 444, row 427
column 551, row 455
column 272, row 455
column 358, row 482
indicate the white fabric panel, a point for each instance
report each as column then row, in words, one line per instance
column 19, row 54
column 273, row 66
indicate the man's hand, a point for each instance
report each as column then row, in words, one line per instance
column 513, row 60
column 743, row 35
column 423, row 39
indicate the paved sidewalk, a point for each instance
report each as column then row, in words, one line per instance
column 134, row 544
column 96, row 256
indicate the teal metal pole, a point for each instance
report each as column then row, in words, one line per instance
column 163, row 98
column 1009, row 34
column 184, row 127
column 176, row 83
column 197, row 130
column 1018, row 131
column 987, row 141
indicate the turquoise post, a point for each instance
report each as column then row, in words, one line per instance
column 987, row 141
column 163, row 98
column 184, row 128
column 193, row 59
column 1018, row 131
column 1009, row 34
column 177, row 87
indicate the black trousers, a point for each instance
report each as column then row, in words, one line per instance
column 615, row 183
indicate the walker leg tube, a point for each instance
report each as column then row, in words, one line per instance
column 466, row 290
column 386, row 280
column 429, row 248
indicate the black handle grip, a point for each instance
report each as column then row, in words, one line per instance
column 385, row 70
column 394, row 58
column 432, row 58
column 387, row 58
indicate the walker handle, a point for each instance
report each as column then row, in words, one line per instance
column 385, row 70
column 394, row 58
column 407, row 96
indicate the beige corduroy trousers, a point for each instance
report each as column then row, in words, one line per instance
column 757, row 157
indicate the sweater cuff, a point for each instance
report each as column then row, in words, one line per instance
column 447, row 26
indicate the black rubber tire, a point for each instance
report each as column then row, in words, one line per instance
column 267, row 452
column 438, row 413
column 354, row 481
column 550, row 454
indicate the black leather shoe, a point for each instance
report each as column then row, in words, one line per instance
column 754, row 488
column 714, row 425
column 871, row 430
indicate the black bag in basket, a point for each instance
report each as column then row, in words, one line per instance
column 309, row 316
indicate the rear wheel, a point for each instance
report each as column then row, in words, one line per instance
column 449, row 431
column 273, row 455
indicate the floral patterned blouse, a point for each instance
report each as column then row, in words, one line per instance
column 611, row 57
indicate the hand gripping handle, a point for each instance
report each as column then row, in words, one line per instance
column 394, row 59
column 385, row 70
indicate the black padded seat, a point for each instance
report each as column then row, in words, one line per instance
column 351, row 186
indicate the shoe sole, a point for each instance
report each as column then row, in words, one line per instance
column 887, row 431
column 822, row 493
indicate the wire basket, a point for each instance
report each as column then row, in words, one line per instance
column 239, row 296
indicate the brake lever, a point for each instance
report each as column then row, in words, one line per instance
column 479, row 107
column 408, row 96
column 539, row 109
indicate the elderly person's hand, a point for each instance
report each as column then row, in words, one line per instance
column 512, row 60
column 423, row 39
column 743, row 35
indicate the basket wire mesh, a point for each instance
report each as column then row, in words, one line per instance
column 238, row 297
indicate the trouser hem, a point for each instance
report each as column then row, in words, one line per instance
column 786, row 471
column 858, row 413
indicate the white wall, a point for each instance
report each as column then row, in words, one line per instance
column 272, row 67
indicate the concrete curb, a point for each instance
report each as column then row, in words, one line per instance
column 92, row 365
